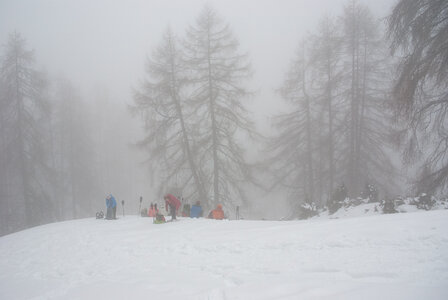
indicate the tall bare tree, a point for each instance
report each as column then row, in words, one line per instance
column 337, row 130
column 293, row 148
column 218, row 72
column 24, row 111
column 304, row 151
column 73, row 156
column 7, row 202
column 366, row 93
column 162, row 101
column 418, row 30
column 326, row 62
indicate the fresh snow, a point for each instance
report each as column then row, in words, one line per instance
column 398, row 256
column 361, row 207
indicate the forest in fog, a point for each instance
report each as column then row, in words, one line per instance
column 360, row 112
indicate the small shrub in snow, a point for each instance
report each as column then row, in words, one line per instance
column 441, row 204
column 389, row 207
column 400, row 201
column 354, row 202
column 425, row 201
column 308, row 210
column 337, row 200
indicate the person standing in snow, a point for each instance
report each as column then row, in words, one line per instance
column 114, row 207
column 196, row 210
column 108, row 208
column 111, row 205
column 217, row 213
column 173, row 203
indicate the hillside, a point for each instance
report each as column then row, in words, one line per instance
column 399, row 256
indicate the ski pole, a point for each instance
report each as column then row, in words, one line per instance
column 122, row 204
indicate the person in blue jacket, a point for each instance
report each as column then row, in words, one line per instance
column 111, row 205
column 196, row 210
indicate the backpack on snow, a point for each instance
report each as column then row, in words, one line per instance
column 159, row 219
column 100, row 215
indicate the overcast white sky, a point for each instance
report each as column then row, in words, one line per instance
column 101, row 45
column 104, row 42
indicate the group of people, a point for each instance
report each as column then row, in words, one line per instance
column 172, row 205
column 195, row 211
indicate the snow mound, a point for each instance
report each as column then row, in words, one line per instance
column 397, row 256
column 351, row 208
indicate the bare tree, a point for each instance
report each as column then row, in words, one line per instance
column 418, row 30
column 161, row 100
column 293, row 148
column 366, row 92
column 326, row 62
column 337, row 129
column 24, row 113
column 7, row 170
column 304, row 151
column 218, row 72
column 73, row 156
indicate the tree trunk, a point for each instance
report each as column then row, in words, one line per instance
column 216, row 198
column 200, row 187
column 330, row 131
column 310, row 170
column 21, row 145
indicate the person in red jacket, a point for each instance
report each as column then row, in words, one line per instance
column 217, row 213
column 173, row 203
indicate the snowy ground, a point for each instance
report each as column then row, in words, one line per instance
column 399, row 256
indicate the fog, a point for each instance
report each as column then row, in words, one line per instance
column 103, row 44
column 101, row 48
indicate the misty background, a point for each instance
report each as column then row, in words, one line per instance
column 93, row 56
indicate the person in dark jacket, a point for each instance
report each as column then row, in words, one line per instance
column 173, row 204
column 196, row 210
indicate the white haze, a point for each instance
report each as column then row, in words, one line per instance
column 102, row 45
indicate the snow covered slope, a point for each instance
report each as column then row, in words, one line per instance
column 399, row 256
